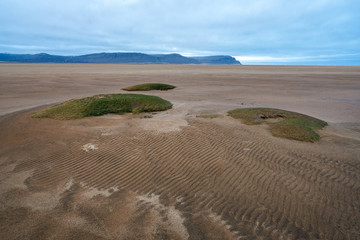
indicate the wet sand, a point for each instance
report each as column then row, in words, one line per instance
column 175, row 175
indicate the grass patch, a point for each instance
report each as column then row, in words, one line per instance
column 290, row 125
column 149, row 87
column 103, row 104
column 211, row 116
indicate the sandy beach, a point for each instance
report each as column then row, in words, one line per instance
column 177, row 175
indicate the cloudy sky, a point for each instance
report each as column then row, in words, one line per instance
column 254, row 31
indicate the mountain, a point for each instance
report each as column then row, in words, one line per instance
column 31, row 58
column 217, row 60
column 121, row 58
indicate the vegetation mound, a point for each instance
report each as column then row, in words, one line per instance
column 149, row 87
column 284, row 124
column 104, row 104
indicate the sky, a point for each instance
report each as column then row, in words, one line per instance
column 253, row 31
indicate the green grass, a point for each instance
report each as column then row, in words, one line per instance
column 211, row 116
column 290, row 125
column 149, row 87
column 104, row 104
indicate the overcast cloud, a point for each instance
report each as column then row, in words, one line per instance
column 257, row 31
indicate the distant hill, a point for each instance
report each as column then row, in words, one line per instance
column 121, row 58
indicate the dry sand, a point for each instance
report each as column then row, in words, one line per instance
column 176, row 176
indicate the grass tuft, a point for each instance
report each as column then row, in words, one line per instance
column 290, row 125
column 149, row 87
column 103, row 104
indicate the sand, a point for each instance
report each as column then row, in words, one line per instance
column 175, row 175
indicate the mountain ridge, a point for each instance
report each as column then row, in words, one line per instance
column 120, row 58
